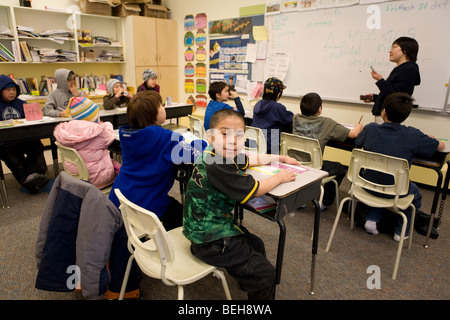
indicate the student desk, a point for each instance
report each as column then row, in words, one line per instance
column 33, row 130
column 435, row 163
column 119, row 118
column 289, row 196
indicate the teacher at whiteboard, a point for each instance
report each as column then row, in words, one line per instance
column 403, row 77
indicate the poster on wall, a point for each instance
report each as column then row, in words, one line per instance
column 195, row 40
column 231, row 26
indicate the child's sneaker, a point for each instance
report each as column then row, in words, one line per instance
column 397, row 237
column 371, row 227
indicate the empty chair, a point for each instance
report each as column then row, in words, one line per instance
column 71, row 155
column 308, row 152
column 196, row 127
column 255, row 141
column 396, row 167
column 161, row 254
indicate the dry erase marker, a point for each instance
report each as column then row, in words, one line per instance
column 360, row 119
column 372, row 69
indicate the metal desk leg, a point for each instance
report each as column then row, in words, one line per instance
column 54, row 157
column 435, row 201
column 280, row 252
column 315, row 243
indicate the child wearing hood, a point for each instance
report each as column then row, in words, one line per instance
column 272, row 116
column 118, row 96
column 29, row 171
column 90, row 138
column 58, row 99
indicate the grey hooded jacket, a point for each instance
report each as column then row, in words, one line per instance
column 58, row 99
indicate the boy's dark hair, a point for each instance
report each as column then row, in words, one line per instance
column 224, row 113
column 142, row 110
column 398, row 106
column 216, row 87
column 409, row 46
column 310, row 104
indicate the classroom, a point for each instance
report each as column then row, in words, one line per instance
column 327, row 47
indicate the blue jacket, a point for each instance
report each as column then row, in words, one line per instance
column 148, row 168
column 214, row 106
column 269, row 114
column 13, row 109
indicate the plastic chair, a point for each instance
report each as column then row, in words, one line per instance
column 255, row 135
column 72, row 156
column 161, row 254
column 308, row 152
column 399, row 169
column 196, row 127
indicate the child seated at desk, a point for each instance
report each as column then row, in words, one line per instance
column 217, row 183
column 149, row 76
column 272, row 116
column 58, row 99
column 118, row 96
column 219, row 93
column 149, row 155
column 310, row 124
column 90, row 138
column 28, row 170
column 394, row 139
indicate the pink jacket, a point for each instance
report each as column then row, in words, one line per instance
column 91, row 140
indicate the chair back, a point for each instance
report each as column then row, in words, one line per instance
column 196, row 127
column 255, row 140
column 145, row 231
column 304, row 149
column 398, row 168
column 71, row 155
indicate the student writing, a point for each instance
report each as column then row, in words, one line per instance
column 311, row 124
column 394, row 139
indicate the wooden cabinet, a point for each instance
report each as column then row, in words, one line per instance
column 155, row 47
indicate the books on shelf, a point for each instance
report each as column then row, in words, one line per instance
column 88, row 84
column 5, row 54
column 26, row 54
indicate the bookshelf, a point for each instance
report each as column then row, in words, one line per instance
column 40, row 36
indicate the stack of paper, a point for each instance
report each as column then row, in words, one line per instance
column 107, row 55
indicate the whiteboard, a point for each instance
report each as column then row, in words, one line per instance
column 331, row 50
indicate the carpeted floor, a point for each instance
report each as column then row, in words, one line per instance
column 341, row 274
